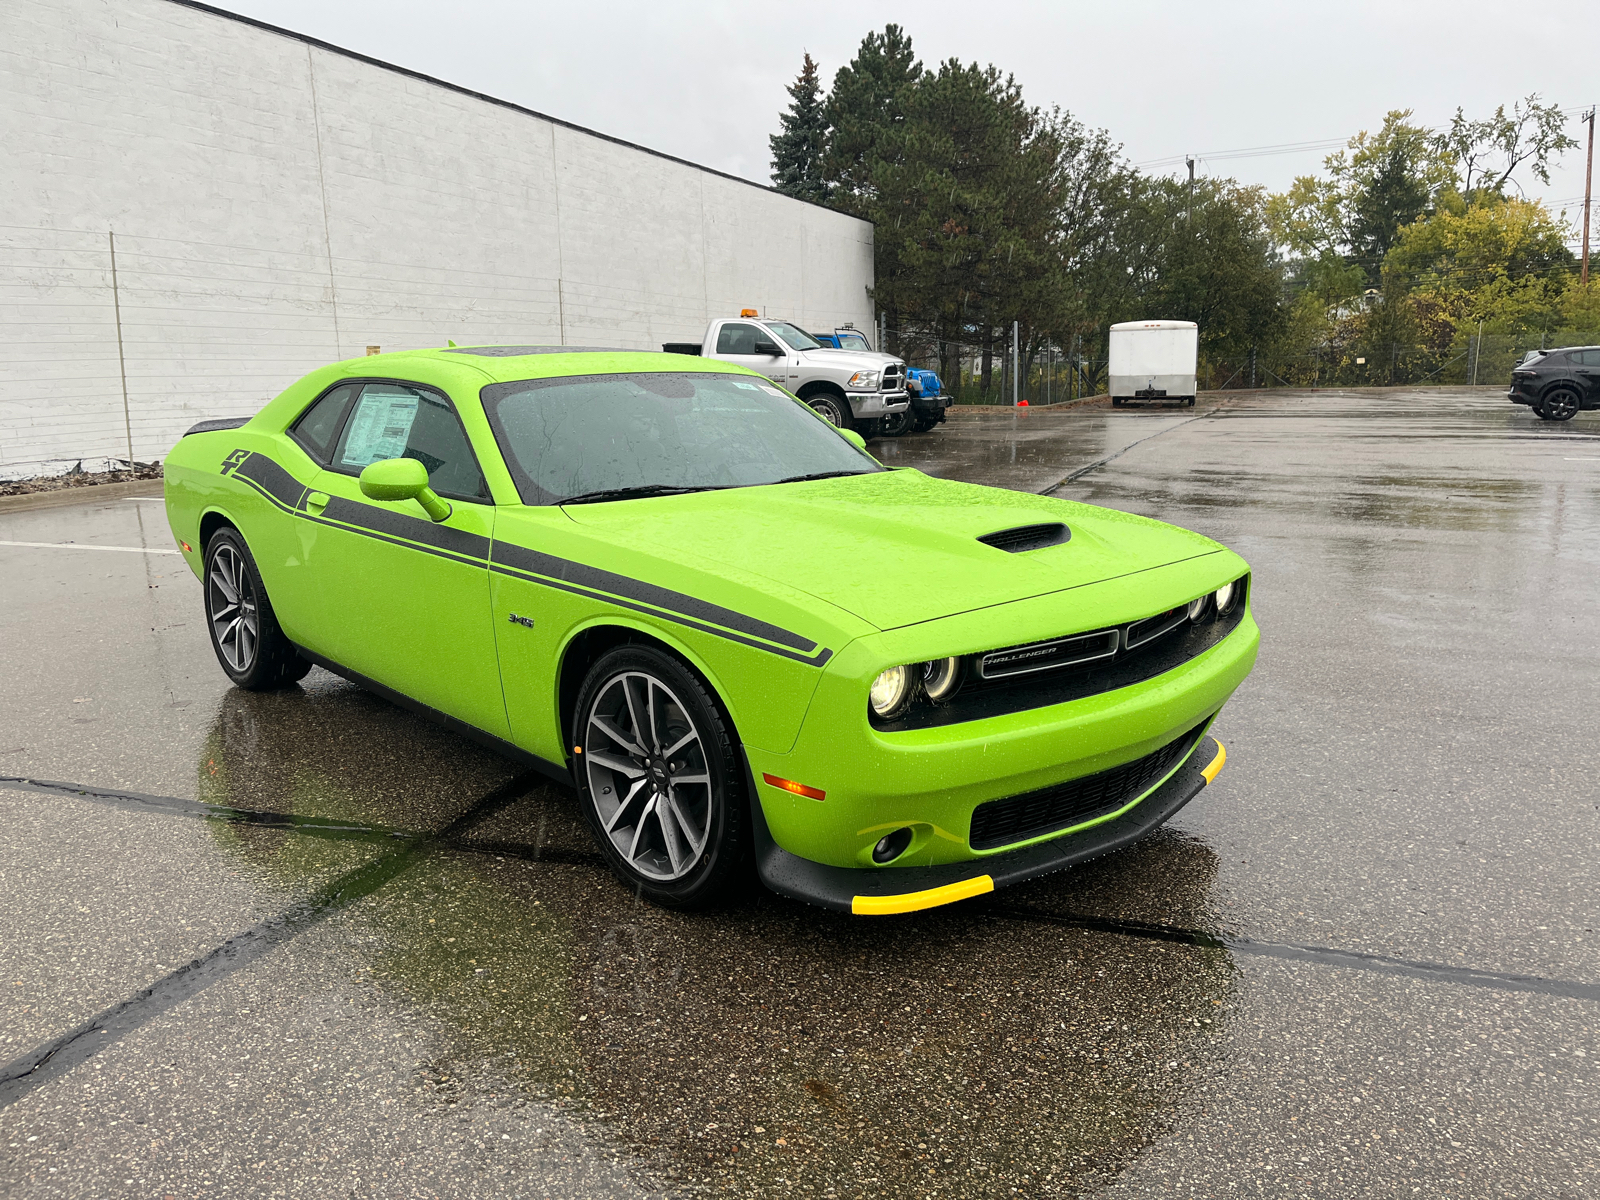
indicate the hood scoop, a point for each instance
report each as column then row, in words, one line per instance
column 1028, row 537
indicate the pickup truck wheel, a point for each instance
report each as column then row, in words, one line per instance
column 896, row 424
column 830, row 408
column 660, row 778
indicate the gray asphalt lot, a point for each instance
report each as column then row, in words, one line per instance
column 337, row 951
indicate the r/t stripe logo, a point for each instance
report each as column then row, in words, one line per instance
column 233, row 460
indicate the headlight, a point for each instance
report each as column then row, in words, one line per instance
column 1197, row 608
column 890, row 691
column 1225, row 596
column 863, row 380
column 941, row 677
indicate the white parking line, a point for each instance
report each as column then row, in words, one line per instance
column 1583, row 460
column 85, row 546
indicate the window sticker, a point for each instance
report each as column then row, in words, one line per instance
column 771, row 391
column 749, row 387
column 379, row 428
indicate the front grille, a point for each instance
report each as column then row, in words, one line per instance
column 1062, row 805
column 894, row 378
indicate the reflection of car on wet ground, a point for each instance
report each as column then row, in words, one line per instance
column 670, row 583
column 1557, row 384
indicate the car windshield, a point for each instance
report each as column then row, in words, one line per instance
column 797, row 339
column 597, row 437
column 853, row 341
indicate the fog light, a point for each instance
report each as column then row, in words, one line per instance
column 891, row 846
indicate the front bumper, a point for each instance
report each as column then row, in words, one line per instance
column 867, row 892
column 931, row 407
column 878, row 404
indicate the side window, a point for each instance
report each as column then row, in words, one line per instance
column 319, row 424
column 1585, row 358
column 737, row 339
column 392, row 420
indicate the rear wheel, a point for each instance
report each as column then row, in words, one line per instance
column 831, row 408
column 1559, row 405
column 659, row 777
column 924, row 424
column 896, row 424
column 244, row 630
column 1116, row 402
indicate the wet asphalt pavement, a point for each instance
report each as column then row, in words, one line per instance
column 337, row 951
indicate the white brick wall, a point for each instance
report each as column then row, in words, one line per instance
column 277, row 206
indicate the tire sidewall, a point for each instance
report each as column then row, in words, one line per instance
column 1577, row 403
column 274, row 664
column 725, row 845
column 824, row 403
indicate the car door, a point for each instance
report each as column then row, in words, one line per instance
column 736, row 343
column 404, row 600
column 1586, row 365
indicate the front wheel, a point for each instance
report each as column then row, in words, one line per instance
column 659, row 778
column 831, row 409
column 896, row 424
column 924, row 424
column 1559, row 405
column 244, row 630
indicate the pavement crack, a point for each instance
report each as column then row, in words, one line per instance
column 1327, row 956
column 55, row 1058
column 1100, row 462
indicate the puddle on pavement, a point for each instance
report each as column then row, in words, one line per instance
column 766, row 1047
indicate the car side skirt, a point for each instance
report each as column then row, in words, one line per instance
column 555, row 771
column 890, row 890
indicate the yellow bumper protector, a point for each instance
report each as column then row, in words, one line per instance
column 1214, row 767
column 882, row 906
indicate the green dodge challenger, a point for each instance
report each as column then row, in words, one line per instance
column 668, row 583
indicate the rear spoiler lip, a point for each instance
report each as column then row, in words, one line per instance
column 219, row 424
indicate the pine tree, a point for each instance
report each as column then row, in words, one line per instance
column 797, row 151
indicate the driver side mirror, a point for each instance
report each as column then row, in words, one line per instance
column 392, row 479
column 854, row 438
column 770, row 349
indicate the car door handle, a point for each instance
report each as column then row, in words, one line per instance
column 316, row 502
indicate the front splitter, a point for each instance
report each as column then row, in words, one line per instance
column 911, row 889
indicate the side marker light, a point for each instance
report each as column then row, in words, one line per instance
column 187, row 549
column 799, row 789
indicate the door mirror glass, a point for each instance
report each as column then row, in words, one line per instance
column 393, row 479
column 770, row 349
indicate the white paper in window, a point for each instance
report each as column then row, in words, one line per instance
column 379, row 428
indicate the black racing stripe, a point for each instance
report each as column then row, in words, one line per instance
column 814, row 660
column 457, row 542
column 531, row 561
column 272, row 479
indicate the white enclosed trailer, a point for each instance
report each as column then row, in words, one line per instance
column 1154, row 360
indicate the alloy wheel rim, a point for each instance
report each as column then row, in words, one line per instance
column 648, row 776
column 1561, row 405
column 829, row 412
column 231, row 604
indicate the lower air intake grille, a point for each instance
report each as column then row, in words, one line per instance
column 1061, row 805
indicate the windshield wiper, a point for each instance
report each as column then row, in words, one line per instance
column 628, row 493
column 820, row 475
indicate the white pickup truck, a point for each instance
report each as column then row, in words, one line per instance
column 853, row 389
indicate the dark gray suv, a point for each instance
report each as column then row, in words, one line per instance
column 1557, row 383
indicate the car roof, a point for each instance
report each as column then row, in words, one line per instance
column 505, row 364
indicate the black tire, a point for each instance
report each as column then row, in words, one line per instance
column 924, row 424
column 623, row 779
column 833, row 409
column 249, row 644
column 1191, row 401
column 898, row 424
column 1559, row 404
column 1116, row 402
column 1538, row 411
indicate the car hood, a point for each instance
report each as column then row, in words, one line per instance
column 860, row 359
column 896, row 548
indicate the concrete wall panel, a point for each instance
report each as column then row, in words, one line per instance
column 278, row 205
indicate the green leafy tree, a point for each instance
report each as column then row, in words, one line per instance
column 797, row 151
column 866, row 114
column 1490, row 151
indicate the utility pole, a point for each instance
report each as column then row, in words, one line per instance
column 1189, row 216
column 1016, row 358
column 1588, row 184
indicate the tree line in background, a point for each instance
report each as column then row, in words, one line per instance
column 991, row 213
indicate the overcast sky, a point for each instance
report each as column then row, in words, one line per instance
column 705, row 81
